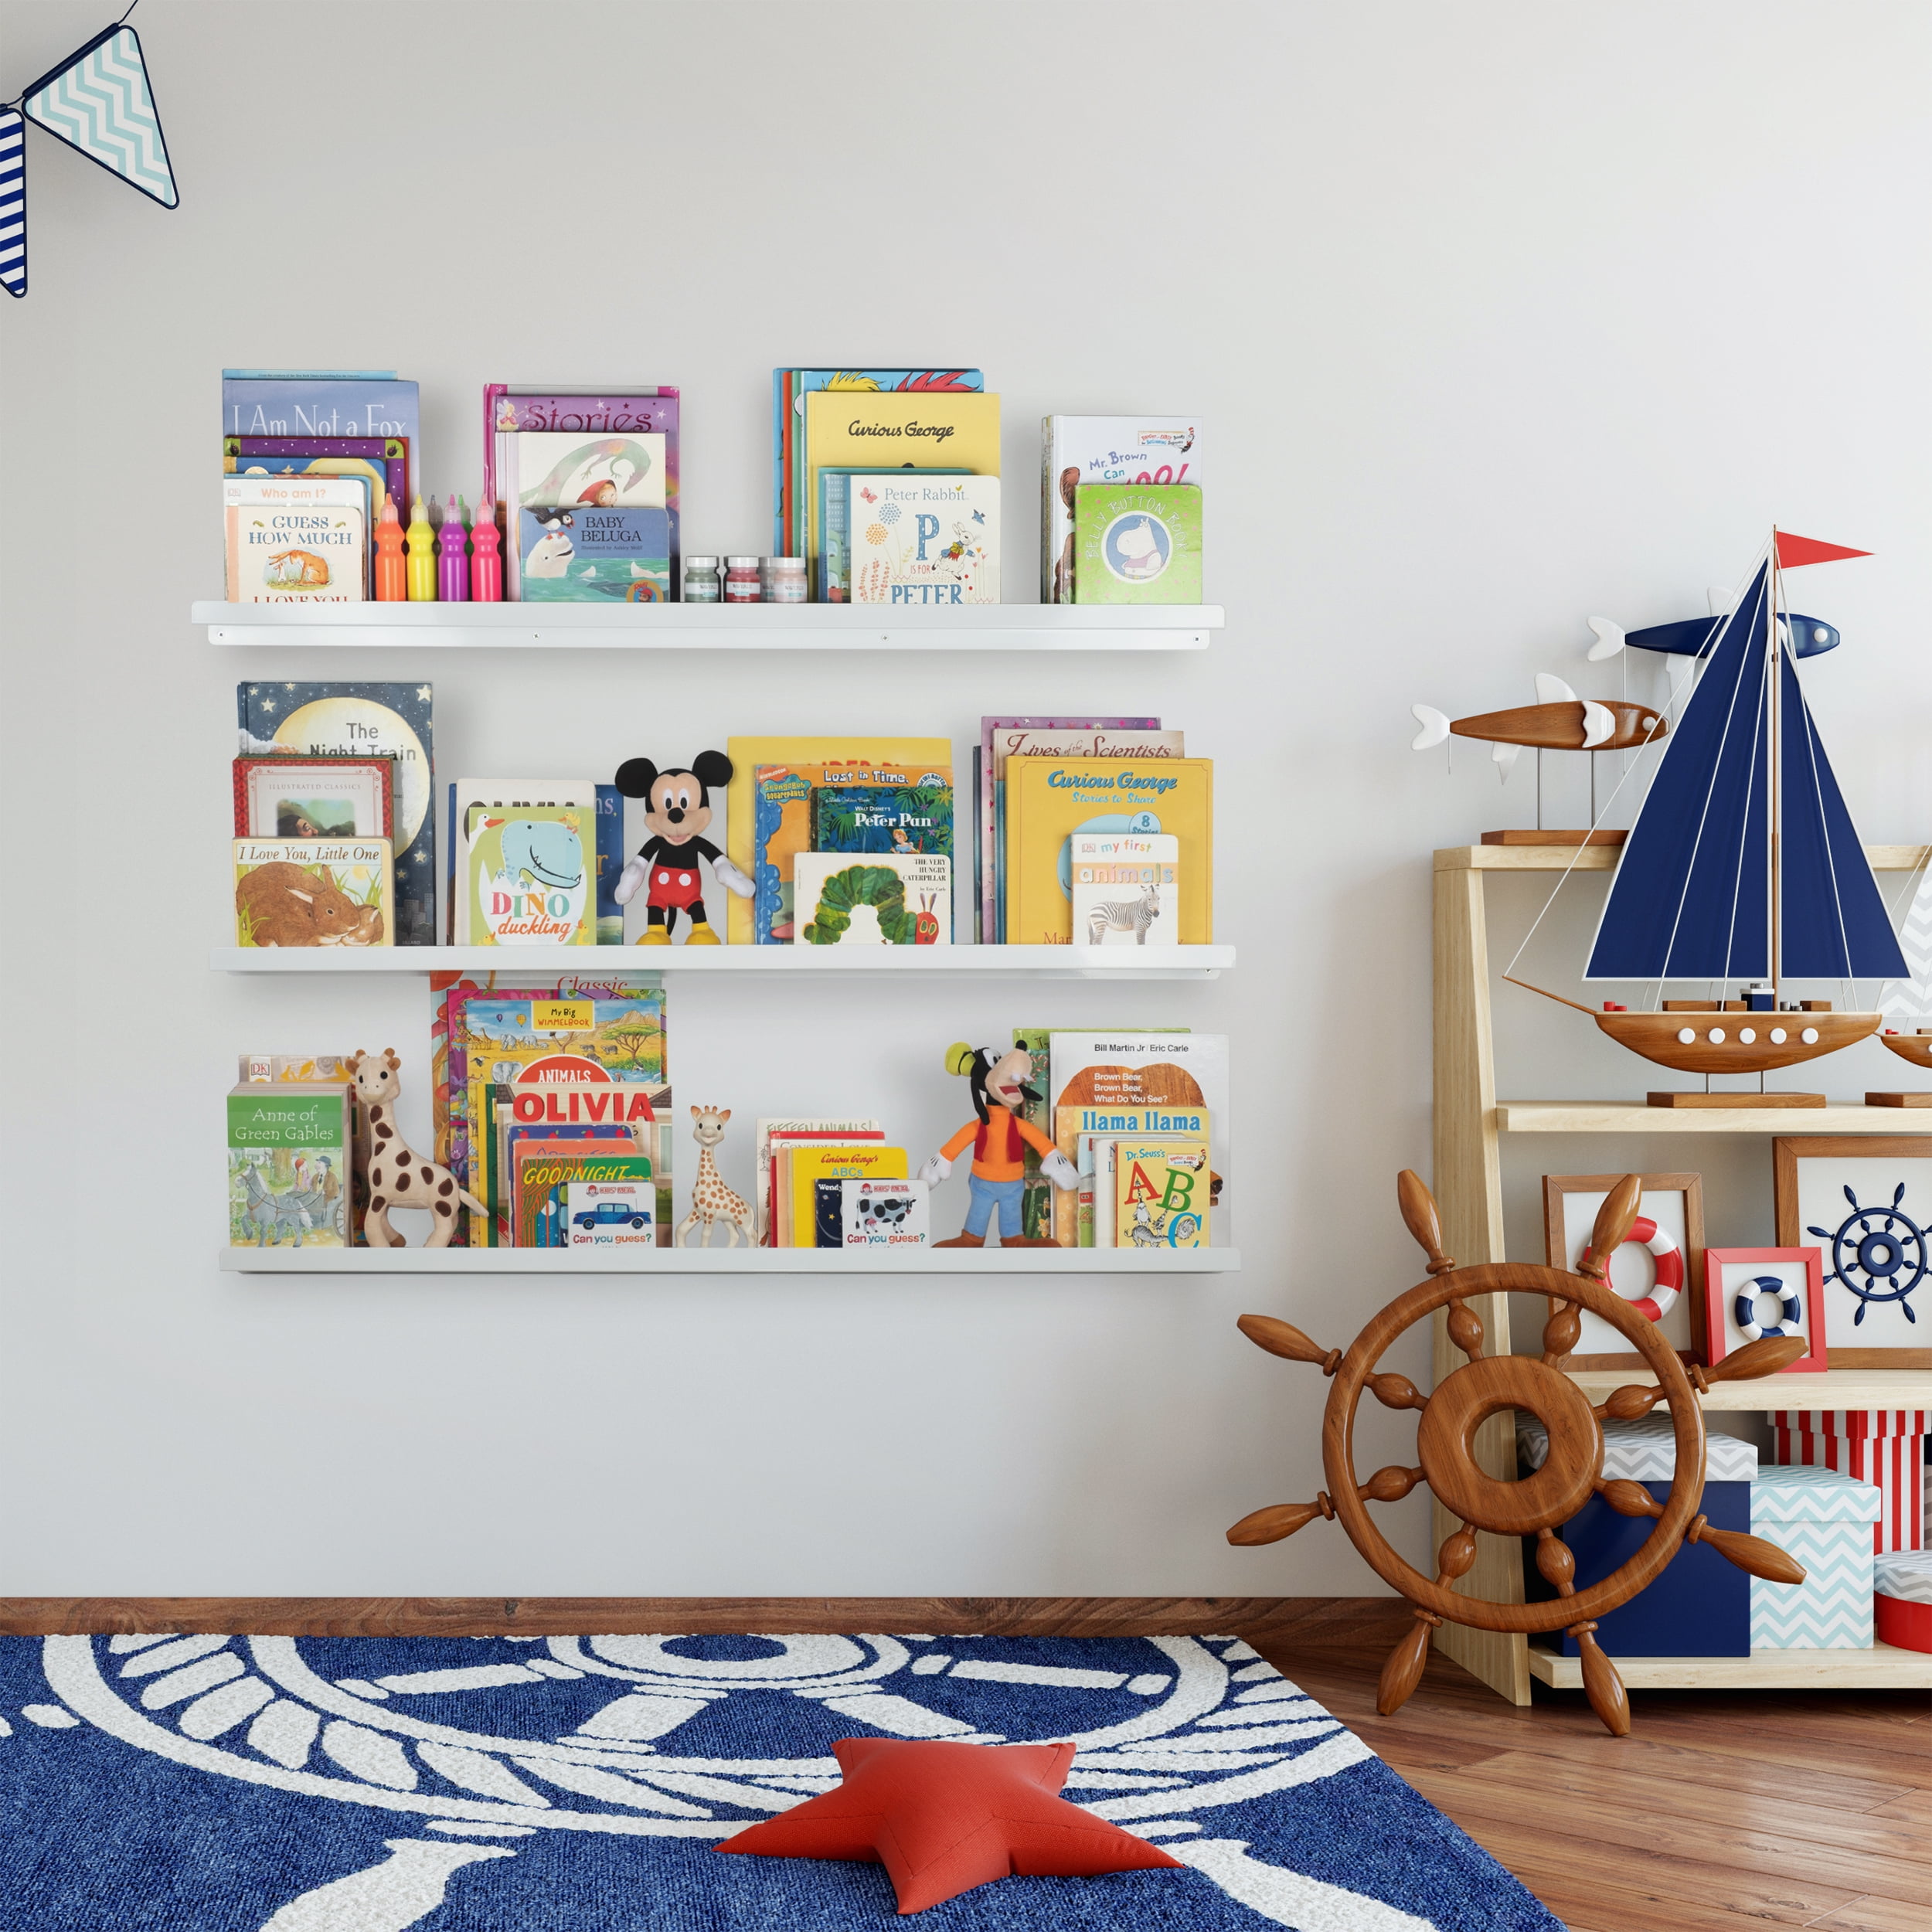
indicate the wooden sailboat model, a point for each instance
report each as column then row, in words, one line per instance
column 1743, row 864
column 1906, row 1005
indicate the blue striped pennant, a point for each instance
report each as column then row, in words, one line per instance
column 13, row 202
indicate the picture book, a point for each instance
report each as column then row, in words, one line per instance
column 568, row 472
column 808, row 1165
column 362, row 720
column 293, row 797
column 262, row 1069
column 296, row 539
column 894, row 818
column 983, row 817
column 1138, row 1083
column 889, row 898
column 541, row 1171
column 920, row 541
column 610, row 864
column 1161, row 1194
column 789, row 389
column 1093, row 1197
column 1038, row 739
column 783, row 1128
column 772, row 828
column 1135, row 544
column 552, row 1103
column 313, row 892
column 1048, row 800
column 389, row 454
column 529, row 848
column 832, row 568
column 1103, row 449
column 308, row 402
column 511, row 409
column 874, row 1214
column 586, row 555
column 290, row 1161
column 850, row 429
column 1036, row 1195
column 611, row 1214
column 1126, row 887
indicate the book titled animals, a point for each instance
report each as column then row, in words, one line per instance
column 296, row 539
column 312, row 892
column 1126, row 887
column 923, row 541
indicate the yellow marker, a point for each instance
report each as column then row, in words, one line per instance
column 422, row 559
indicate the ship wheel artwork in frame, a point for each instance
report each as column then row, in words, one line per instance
column 1571, row 1473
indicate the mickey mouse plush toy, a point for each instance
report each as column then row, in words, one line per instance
column 677, row 809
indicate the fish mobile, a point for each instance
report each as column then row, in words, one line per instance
column 1558, row 721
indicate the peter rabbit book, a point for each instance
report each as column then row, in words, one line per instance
column 900, row 818
column 592, row 555
column 885, row 899
column 1048, row 800
column 529, row 859
column 1126, row 887
column 297, row 539
column 289, row 1166
column 1133, row 544
column 1103, row 449
column 833, row 570
column 313, row 892
column 920, row 541
column 1160, row 1194
column 364, row 720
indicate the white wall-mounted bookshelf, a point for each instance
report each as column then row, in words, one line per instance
column 722, row 1260
column 693, row 627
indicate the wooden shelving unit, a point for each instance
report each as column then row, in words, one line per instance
column 691, row 627
column 1468, row 1190
column 744, row 1263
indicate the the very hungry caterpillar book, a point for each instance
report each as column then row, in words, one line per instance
column 886, row 899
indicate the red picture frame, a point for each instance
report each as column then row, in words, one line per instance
column 1725, row 1332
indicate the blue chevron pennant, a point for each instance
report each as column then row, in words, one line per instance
column 13, row 202
column 98, row 101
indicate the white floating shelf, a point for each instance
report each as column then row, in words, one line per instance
column 817, row 962
column 722, row 1260
column 1881, row 1668
column 1809, row 1388
column 691, row 627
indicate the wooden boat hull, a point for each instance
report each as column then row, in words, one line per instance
column 1915, row 1047
column 1559, row 727
column 1735, row 1043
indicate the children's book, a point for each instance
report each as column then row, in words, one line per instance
column 1093, row 1199
column 1135, row 544
column 611, row 1214
column 899, row 818
column 1037, row 739
column 569, row 471
column 983, row 818
column 832, row 567
column 847, row 430
column 873, row 1214
column 1103, row 449
column 543, row 1100
column 290, row 1163
column 267, row 1068
column 611, row 861
column 1161, row 1194
column 770, row 829
column 385, row 458
column 313, row 892
column 529, row 855
column 511, row 409
column 541, row 1171
column 918, row 542
column 363, row 720
column 533, row 1211
column 778, row 1129
column 808, row 1165
column 1048, row 800
column 297, row 539
column 789, row 390
column 286, row 797
column 1126, row 887
column 591, row 556
column 318, row 403
column 889, row 898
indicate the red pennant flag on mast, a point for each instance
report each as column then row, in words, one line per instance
column 1794, row 550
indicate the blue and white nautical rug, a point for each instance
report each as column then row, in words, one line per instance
column 578, row 1784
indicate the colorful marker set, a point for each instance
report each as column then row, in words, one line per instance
column 423, row 564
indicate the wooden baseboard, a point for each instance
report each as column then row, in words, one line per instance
column 1314, row 1620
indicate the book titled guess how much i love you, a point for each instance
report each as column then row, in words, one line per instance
column 296, row 539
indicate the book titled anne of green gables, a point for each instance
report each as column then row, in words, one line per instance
column 288, row 1165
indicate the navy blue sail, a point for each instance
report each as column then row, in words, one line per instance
column 1692, row 896
column 1832, row 919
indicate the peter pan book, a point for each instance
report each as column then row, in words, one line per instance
column 922, row 542
column 1048, row 800
column 363, row 720
column 530, row 860
column 832, row 569
column 289, row 1165
column 1126, row 887
column 887, row 898
column 1161, row 1191
column 313, row 892
column 296, row 539
column 903, row 818
column 591, row 556
column 1136, row 544
column 1104, row 449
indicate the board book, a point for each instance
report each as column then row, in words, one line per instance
column 833, row 568
column 545, row 1173
column 777, row 1129
column 296, row 540
column 313, row 892
column 594, row 556
column 1126, row 887
column 1103, row 449
column 1161, row 1194
column 922, row 542
column 1136, row 545
column 611, row 1214
column 529, row 858
column 873, row 1215
column 290, row 1161
column 805, row 1166
column 885, row 899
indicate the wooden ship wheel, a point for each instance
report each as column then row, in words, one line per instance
column 1571, row 1473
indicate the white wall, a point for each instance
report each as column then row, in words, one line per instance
column 1498, row 314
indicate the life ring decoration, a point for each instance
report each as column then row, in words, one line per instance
column 1667, row 1261
column 1537, row 1505
column 1791, row 1310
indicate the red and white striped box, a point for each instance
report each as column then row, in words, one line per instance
column 1884, row 1446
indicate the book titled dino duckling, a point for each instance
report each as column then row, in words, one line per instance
column 529, row 849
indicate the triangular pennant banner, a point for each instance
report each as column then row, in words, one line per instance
column 13, row 202
column 98, row 100
column 1794, row 550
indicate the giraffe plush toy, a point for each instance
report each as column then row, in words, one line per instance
column 392, row 1173
column 711, row 1200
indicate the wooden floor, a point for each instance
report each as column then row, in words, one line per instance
column 1721, row 1811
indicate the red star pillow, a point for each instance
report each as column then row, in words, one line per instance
column 942, row 1818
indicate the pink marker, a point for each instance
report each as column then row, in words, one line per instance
column 452, row 561
column 486, row 566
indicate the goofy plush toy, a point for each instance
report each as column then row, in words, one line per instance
column 999, row 1085
column 677, row 809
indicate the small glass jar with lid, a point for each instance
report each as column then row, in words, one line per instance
column 741, row 584
column 784, row 579
column 701, row 583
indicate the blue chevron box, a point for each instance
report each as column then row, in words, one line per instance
column 1825, row 1520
